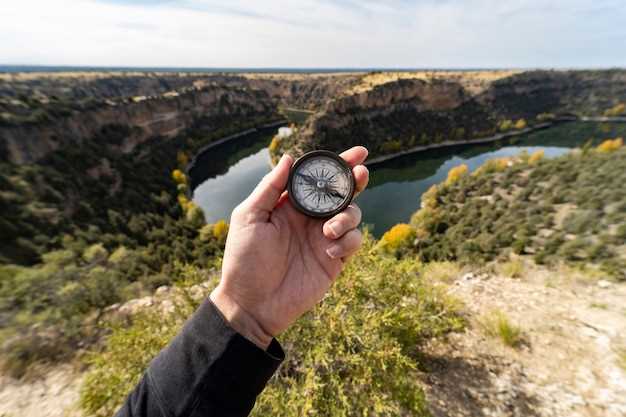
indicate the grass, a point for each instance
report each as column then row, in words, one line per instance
column 600, row 306
column 512, row 269
column 445, row 271
column 497, row 325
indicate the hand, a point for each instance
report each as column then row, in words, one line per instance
column 279, row 263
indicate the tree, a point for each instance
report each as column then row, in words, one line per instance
column 456, row 173
column 520, row 124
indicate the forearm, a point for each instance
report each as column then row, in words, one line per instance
column 207, row 370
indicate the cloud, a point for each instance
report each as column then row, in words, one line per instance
column 314, row 33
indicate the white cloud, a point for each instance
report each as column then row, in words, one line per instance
column 314, row 33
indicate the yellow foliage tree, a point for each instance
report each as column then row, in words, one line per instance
column 493, row 165
column 179, row 177
column 182, row 158
column 536, row 157
column 274, row 144
column 520, row 124
column 456, row 174
column 505, row 125
column 616, row 110
column 429, row 198
column 391, row 146
column 610, row 145
column 220, row 230
column 183, row 201
column 398, row 236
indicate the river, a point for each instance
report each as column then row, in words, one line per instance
column 231, row 170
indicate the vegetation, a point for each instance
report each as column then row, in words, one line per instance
column 512, row 269
column 611, row 145
column 89, row 226
column 571, row 209
column 342, row 369
column 617, row 110
column 396, row 238
column 497, row 324
column 456, row 174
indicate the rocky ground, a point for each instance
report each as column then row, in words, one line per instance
column 573, row 330
column 568, row 364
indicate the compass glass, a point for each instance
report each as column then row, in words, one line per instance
column 321, row 184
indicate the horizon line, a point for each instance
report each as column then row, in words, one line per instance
column 6, row 68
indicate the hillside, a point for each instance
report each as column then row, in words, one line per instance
column 395, row 112
column 571, row 209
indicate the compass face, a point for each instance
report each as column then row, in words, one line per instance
column 321, row 184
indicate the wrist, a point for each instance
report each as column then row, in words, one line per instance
column 239, row 319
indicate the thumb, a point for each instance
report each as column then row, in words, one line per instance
column 267, row 193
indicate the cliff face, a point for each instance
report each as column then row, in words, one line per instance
column 407, row 112
column 164, row 117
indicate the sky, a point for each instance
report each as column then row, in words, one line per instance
column 315, row 33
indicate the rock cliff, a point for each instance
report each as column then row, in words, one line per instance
column 392, row 113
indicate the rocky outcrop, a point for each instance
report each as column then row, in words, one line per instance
column 408, row 113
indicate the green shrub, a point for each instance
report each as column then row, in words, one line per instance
column 497, row 324
column 355, row 354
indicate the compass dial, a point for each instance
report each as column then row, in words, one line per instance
column 321, row 184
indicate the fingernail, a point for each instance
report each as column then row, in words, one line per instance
column 333, row 229
column 333, row 251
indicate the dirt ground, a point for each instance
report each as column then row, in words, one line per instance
column 568, row 364
column 54, row 392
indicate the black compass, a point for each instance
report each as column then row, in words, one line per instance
column 321, row 184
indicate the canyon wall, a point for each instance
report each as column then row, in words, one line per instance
column 408, row 112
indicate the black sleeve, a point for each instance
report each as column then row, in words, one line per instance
column 207, row 370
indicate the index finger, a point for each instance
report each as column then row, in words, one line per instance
column 354, row 156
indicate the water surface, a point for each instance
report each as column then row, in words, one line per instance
column 232, row 170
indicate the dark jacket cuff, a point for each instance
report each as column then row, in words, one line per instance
column 210, row 369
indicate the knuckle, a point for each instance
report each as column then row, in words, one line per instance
column 237, row 213
column 356, row 212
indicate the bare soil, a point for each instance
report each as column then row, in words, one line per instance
column 567, row 365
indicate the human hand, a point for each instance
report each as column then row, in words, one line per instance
column 279, row 263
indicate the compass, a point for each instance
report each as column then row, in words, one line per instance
column 321, row 184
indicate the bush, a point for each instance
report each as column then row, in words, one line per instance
column 610, row 145
column 391, row 146
column 616, row 110
column 535, row 157
column 512, row 269
column 505, row 125
column 456, row 173
column 333, row 366
column 397, row 237
column 179, row 177
column 274, row 144
column 219, row 230
column 520, row 124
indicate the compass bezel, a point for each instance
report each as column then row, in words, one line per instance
column 316, row 154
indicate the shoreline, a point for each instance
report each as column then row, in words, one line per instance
column 200, row 152
column 495, row 138
column 416, row 149
column 449, row 143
